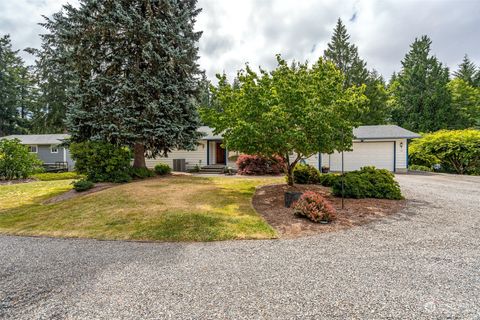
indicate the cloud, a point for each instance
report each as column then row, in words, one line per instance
column 253, row 31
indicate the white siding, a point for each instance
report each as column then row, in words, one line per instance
column 312, row 161
column 401, row 154
column 192, row 158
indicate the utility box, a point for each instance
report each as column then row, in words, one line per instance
column 179, row 165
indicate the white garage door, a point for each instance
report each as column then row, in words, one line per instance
column 378, row 154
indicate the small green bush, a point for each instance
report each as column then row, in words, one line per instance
column 368, row 182
column 305, row 174
column 141, row 173
column 83, row 185
column 15, row 160
column 162, row 169
column 415, row 167
column 328, row 179
column 101, row 161
column 57, row 176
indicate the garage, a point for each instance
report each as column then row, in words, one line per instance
column 378, row 154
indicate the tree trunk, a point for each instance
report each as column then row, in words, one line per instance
column 290, row 174
column 139, row 156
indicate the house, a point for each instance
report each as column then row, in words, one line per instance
column 382, row 146
column 47, row 149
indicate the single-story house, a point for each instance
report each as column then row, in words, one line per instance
column 47, row 149
column 382, row 146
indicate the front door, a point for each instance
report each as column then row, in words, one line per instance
column 219, row 153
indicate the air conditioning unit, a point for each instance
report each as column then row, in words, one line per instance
column 179, row 165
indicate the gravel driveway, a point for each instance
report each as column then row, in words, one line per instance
column 421, row 263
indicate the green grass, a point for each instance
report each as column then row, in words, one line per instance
column 50, row 176
column 176, row 208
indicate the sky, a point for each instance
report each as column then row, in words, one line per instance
column 254, row 31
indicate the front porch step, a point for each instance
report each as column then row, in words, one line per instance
column 212, row 168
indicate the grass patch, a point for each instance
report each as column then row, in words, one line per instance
column 51, row 176
column 176, row 208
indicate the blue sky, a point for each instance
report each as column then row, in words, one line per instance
column 236, row 32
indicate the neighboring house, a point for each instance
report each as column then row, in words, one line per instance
column 46, row 147
column 383, row 146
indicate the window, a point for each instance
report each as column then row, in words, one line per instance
column 53, row 149
column 32, row 149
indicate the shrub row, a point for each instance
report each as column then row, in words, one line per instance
column 258, row 165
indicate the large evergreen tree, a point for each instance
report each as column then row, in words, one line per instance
column 376, row 110
column 467, row 71
column 134, row 70
column 15, row 84
column 345, row 56
column 422, row 99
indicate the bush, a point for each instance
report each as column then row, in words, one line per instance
column 415, row 167
column 141, row 173
column 163, row 169
column 315, row 207
column 328, row 179
column 455, row 151
column 368, row 182
column 258, row 165
column 83, row 185
column 101, row 161
column 57, row 176
column 305, row 174
column 15, row 160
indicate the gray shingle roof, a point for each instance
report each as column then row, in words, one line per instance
column 383, row 132
column 39, row 139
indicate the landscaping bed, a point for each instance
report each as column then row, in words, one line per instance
column 269, row 202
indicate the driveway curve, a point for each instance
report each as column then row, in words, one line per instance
column 421, row 263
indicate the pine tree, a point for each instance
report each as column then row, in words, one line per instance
column 467, row 71
column 422, row 99
column 134, row 70
column 345, row 56
column 14, row 90
column 377, row 110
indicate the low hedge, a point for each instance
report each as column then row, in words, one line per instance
column 305, row 174
column 415, row 167
column 162, row 169
column 368, row 182
column 83, row 185
column 141, row 173
column 328, row 179
column 57, row 176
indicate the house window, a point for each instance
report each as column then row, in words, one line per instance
column 33, row 149
column 53, row 149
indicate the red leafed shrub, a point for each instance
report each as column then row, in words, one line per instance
column 315, row 207
column 257, row 165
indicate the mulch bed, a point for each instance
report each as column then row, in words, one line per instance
column 73, row 193
column 269, row 202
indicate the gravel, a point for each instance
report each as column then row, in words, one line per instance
column 421, row 263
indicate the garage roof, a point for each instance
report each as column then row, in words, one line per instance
column 383, row 132
column 39, row 139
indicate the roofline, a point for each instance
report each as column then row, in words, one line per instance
column 376, row 138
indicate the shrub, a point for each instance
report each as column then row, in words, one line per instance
column 328, row 179
column 416, row 167
column 101, row 161
column 368, row 182
column 305, row 174
column 82, row 185
column 315, row 207
column 50, row 176
column 163, row 169
column 141, row 173
column 258, row 165
column 15, row 160
column 456, row 151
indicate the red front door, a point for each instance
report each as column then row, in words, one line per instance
column 219, row 153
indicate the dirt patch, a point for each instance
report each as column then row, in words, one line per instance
column 73, row 193
column 269, row 202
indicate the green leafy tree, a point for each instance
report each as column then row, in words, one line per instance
column 15, row 160
column 134, row 70
column 467, row 71
column 466, row 102
column 15, row 85
column 377, row 110
column 455, row 150
column 422, row 99
column 345, row 56
column 292, row 112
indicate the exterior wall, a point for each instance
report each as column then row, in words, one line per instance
column 192, row 158
column 47, row 156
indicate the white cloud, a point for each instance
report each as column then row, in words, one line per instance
column 253, row 31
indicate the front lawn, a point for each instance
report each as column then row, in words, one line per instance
column 176, row 208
